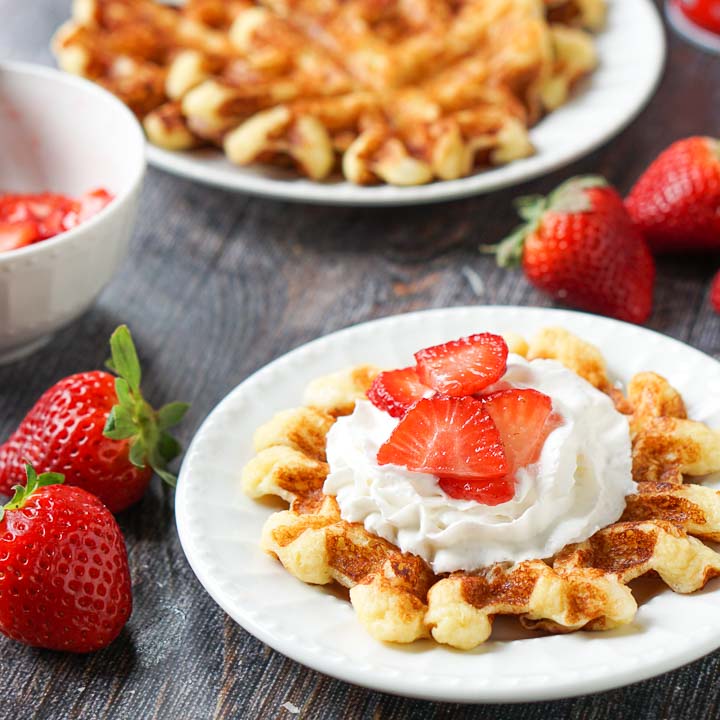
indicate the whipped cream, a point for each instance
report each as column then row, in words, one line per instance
column 577, row 486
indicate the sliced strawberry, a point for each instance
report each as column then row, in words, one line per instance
column 449, row 437
column 50, row 211
column 17, row 235
column 492, row 491
column 524, row 419
column 91, row 203
column 464, row 366
column 396, row 391
column 14, row 208
column 46, row 210
column 493, row 390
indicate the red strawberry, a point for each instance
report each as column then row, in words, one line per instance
column 491, row 491
column 16, row 235
column 465, row 366
column 676, row 201
column 580, row 246
column 99, row 431
column 46, row 211
column 396, row 391
column 87, row 205
column 715, row 292
column 523, row 419
column 64, row 578
column 701, row 12
column 446, row 436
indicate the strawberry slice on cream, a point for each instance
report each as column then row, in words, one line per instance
column 433, row 482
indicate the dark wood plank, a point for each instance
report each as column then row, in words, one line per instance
column 219, row 284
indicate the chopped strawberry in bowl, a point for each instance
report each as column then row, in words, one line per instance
column 29, row 218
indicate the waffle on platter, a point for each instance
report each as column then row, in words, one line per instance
column 387, row 91
column 396, row 595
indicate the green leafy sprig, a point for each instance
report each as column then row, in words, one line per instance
column 134, row 419
column 34, row 481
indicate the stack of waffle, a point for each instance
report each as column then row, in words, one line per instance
column 387, row 91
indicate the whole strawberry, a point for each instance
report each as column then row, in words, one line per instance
column 580, row 246
column 676, row 201
column 64, row 578
column 715, row 292
column 98, row 431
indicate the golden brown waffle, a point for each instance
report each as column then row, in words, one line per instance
column 694, row 508
column 388, row 588
column 589, row 14
column 393, row 92
column 628, row 550
column 462, row 607
column 396, row 595
column 581, row 357
column 666, row 445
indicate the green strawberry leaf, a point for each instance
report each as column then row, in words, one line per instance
column 530, row 207
column 122, row 390
column 168, row 447
column 509, row 252
column 33, row 483
column 124, row 357
column 167, row 477
column 120, row 424
column 138, row 452
column 134, row 419
column 171, row 414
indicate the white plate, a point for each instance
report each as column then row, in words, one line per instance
column 220, row 530
column 632, row 52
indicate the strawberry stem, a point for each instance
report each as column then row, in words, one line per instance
column 134, row 419
column 33, row 482
column 570, row 197
column 714, row 146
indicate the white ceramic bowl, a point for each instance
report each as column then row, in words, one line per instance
column 65, row 135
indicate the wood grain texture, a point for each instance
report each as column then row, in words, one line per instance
column 219, row 284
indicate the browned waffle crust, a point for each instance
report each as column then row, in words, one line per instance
column 385, row 91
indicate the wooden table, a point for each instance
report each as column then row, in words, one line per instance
column 219, row 284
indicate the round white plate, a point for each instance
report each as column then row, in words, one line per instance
column 220, row 530
column 632, row 52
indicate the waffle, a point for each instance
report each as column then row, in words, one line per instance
column 693, row 508
column 396, row 595
column 628, row 550
column 462, row 607
column 386, row 92
column 388, row 588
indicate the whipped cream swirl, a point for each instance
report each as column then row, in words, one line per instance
column 577, row 486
